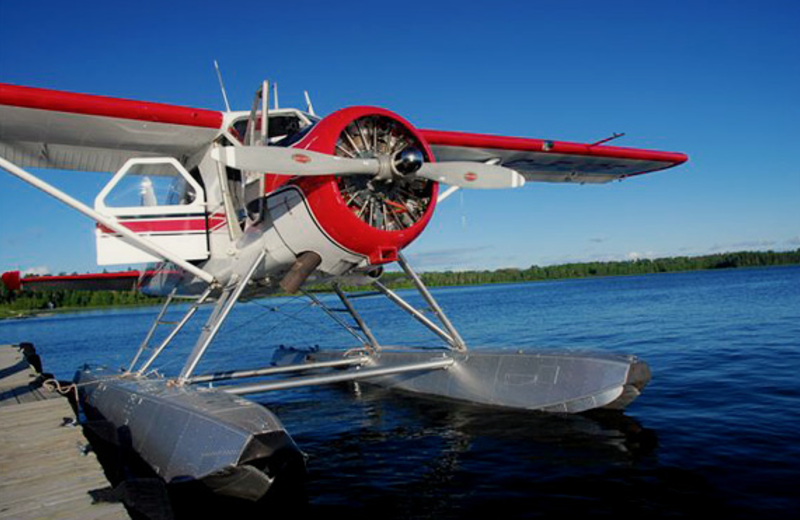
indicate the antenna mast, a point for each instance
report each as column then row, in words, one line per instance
column 222, row 87
column 308, row 103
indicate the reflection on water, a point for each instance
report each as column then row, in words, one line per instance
column 374, row 451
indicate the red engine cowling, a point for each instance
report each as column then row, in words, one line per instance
column 371, row 217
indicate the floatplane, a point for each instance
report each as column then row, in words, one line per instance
column 236, row 205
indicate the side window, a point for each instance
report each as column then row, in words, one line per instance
column 155, row 198
column 146, row 183
column 151, row 185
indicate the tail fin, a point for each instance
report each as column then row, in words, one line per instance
column 11, row 280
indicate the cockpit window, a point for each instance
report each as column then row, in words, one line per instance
column 289, row 140
column 281, row 125
column 239, row 129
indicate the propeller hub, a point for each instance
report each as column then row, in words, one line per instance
column 408, row 161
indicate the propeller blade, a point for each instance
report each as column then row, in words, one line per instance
column 292, row 161
column 474, row 175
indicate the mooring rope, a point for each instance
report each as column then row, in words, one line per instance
column 54, row 385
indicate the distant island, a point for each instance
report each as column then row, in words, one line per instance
column 23, row 303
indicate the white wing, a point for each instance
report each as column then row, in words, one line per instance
column 63, row 130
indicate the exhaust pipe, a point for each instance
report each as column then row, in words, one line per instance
column 300, row 271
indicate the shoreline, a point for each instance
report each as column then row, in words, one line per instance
column 16, row 314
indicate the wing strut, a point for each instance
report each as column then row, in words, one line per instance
column 174, row 332
column 153, row 327
column 450, row 335
column 373, row 341
column 225, row 302
column 142, row 243
column 437, row 310
column 332, row 313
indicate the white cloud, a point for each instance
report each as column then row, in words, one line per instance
column 39, row 270
column 634, row 255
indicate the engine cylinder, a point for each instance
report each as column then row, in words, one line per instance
column 372, row 217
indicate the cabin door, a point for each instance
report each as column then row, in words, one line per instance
column 159, row 200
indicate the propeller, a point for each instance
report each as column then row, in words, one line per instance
column 406, row 163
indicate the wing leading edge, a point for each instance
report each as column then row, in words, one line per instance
column 550, row 161
column 64, row 130
column 70, row 131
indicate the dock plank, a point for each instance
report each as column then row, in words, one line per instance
column 44, row 472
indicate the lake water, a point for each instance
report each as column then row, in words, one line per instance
column 715, row 433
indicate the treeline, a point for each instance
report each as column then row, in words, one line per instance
column 620, row 268
column 17, row 302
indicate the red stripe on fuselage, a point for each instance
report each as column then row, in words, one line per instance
column 217, row 221
column 88, row 104
column 160, row 226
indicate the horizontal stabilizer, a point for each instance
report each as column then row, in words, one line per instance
column 122, row 281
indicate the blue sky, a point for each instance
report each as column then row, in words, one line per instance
column 717, row 80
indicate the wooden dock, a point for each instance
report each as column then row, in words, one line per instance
column 46, row 470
